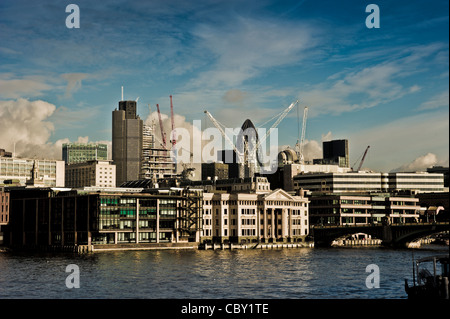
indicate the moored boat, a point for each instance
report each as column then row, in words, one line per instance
column 426, row 284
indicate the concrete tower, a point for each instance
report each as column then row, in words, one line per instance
column 126, row 142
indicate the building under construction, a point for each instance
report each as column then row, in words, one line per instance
column 156, row 161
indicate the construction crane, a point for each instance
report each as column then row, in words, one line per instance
column 163, row 135
column 219, row 127
column 301, row 143
column 173, row 140
column 362, row 160
column 282, row 116
column 240, row 155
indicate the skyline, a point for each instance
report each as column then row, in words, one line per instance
column 386, row 87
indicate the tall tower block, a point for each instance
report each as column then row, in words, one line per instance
column 126, row 142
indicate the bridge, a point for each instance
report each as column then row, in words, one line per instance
column 396, row 235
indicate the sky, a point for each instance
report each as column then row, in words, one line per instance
column 384, row 87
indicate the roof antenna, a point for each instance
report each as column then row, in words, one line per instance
column 122, row 93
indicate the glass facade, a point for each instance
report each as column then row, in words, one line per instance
column 73, row 153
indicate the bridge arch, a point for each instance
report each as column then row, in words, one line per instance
column 394, row 235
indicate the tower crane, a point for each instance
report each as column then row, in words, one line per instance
column 219, row 127
column 240, row 155
column 300, row 144
column 282, row 116
column 174, row 141
column 163, row 135
column 362, row 160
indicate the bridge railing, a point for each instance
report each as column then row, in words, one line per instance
column 379, row 224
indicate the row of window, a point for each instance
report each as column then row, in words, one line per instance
column 252, row 203
column 251, row 232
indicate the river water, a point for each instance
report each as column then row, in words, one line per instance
column 307, row 273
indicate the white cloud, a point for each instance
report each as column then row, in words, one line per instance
column 393, row 143
column 26, row 127
column 244, row 46
column 439, row 100
column 15, row 87
column 73, row 82
column 419, row 164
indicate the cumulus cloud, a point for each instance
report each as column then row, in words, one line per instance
column 25, row 122
column 26, row 127
column 419, row 164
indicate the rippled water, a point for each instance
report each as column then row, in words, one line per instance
column 282, row 274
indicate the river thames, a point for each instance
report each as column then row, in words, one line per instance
column 306, row 273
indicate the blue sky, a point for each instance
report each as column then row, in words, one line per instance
column 385, row 87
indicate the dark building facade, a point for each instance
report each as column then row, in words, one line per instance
column 213, row 170
column 127, row 132
column 335, row 152
column 229, row 157
column 47, row 217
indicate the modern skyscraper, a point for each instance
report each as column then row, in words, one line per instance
column 73, row 153
column 127, row 128
column 336, row 152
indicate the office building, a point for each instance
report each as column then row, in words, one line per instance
column 421, row 182
column 4, row 207
column 103, row 218
column 214, row 171
column 336, row 152
column 371, row 182
column 230, row 158
column 362, row 208
column 20, row 171
column 284, row 176
column 73, row 153
column 4, row 153
column 91, row 173
column 127, row 132
column 242, row 218
column 442, row 170
column 257, row 185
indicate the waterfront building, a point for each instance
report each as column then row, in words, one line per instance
column 421, row 181
column 4, row 207
column 287, row 170
column 369, row 182
column 443, row 170
column 4, row 212
column 127, row 135
column 274, row 216
column 363, row 208
column 73, row 153
column 49, row 173
column 91, row 173
column 103, row 217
